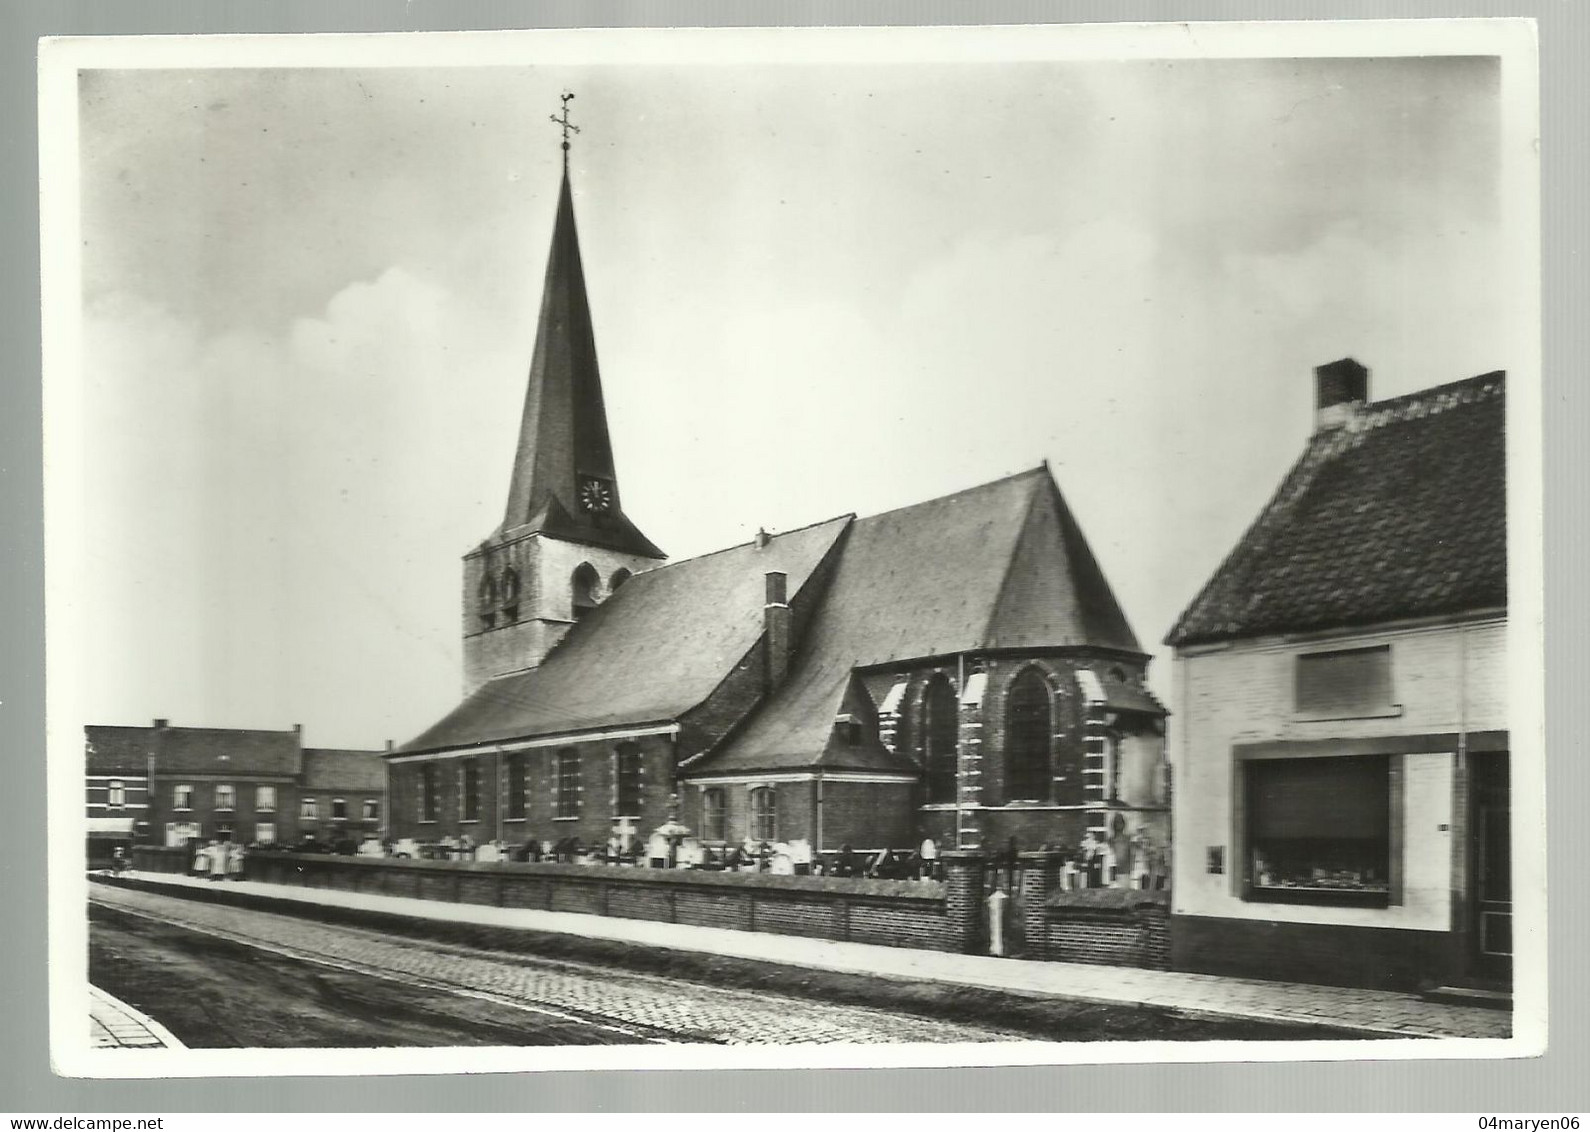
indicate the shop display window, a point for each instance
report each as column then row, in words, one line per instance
column 1319, row 831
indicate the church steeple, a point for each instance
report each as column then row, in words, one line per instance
column 564, row 483
column 564, row 544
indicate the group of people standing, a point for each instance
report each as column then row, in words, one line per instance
column 218, row 860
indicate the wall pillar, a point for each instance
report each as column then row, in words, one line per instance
column 963, row 900
column 1040, row 877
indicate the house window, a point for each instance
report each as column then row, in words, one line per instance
column 940, row 728
column 430, row 804
column 372, row 810
column 225, row 796
column 182, row 797
column 265, row 833
column 306, row 808
column 584, row 583
column 116, row 794
column 1029, row 736
column 339, row 809
column 627, row 757
column 764, row 814
column 1345, row 683
column 1319, row 830
column 516, row 785
column 568, row 792
column 469, row 790
column 713, row 810
column 265, row 799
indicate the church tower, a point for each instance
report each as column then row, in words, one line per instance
column 565, row 543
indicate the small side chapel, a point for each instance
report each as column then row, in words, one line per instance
column 957, row 670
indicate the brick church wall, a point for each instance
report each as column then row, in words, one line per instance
column 887, row 913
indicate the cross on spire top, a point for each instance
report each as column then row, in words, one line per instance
column 563, row 121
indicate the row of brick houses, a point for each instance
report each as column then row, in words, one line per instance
column 166, row 785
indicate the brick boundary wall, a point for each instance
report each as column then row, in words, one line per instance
column 890, row 913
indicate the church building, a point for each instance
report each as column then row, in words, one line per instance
column 957, row 670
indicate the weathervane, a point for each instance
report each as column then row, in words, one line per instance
column 565, row 123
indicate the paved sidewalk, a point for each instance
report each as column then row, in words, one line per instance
column 115, row 1025
column 1380, row 1013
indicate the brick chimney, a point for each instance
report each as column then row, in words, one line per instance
column 1340, row 387
column 776, row 624
column 162, row 724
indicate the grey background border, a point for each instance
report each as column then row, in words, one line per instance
column 1553, row 1084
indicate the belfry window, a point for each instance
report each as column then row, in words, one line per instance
column 1029, row 731
column 940, row 727
column 620, row 576
column 510, row 594
column 584, row 583
column 487, row 603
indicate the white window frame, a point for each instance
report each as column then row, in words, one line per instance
column 308, row 807
column 371, row 810
column 342, row 805
column 115, row 794
column 265, row 799
column 182, row 797
column 230, row 794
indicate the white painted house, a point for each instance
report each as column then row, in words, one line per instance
column 1341, row 758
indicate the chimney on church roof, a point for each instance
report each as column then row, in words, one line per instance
column 776, row 629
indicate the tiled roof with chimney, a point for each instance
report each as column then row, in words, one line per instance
column 1003, row 565
column 327, row 768
column 1399, row 511
column 654, row 649
column 563, row 439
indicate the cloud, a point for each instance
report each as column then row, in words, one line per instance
column 275, row 512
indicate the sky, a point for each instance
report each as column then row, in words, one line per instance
column 309, row 302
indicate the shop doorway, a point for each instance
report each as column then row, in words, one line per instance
column 1491, row 865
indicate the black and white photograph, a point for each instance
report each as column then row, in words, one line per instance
column 793, row 547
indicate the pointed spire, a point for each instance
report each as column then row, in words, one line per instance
column 564, row 482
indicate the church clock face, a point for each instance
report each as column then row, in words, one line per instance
column 595, row 495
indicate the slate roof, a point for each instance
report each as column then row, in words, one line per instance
column 1400, row 513
column 650, row 652
column 194, row 750
column 563, row 434
column 327, row 768
column 117, row 750
column 1003, row 565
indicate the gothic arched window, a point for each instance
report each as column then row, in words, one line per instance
column 620, row 576
column 940, row 728
column 1029, row 738
column 585, row 583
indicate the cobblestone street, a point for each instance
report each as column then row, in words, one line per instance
column 675, row 1010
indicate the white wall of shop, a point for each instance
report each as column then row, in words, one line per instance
column 1447, row 678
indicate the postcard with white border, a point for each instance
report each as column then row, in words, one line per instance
column 793, row 547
